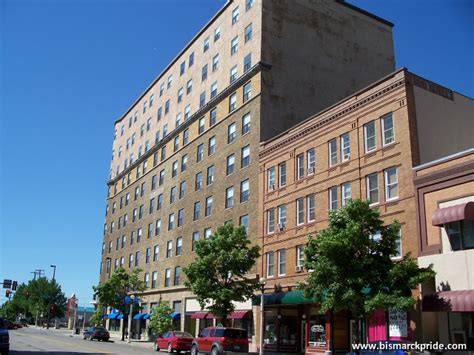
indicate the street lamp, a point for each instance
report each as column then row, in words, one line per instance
column 262, row 282
column 54, row 271
column 49, row 304
column 132, row 299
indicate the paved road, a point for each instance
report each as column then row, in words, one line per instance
column 31, row 341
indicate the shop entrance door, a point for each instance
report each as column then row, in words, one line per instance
column 303, row 335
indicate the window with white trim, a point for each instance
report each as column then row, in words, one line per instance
column 282, row 174
column 229, row 197
column 370, row 141
column 333, row 202
column 281, row 262
column 346, row 193
column 270, row 264
column 300, row 166
column 300, row 256
column 388, row 130
column 271, row 178
column 332, row 148
column 300, row 211
column 345, row 147
column 372, row 184
column 311, row 203
column 282, row 217
column 270, row 220
column 391, row 183
column 311, row 157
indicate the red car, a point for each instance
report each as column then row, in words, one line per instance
column 174, row 341
column 221, row 340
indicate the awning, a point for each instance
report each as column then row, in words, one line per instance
column 240, row 315
column 120, row 316
column 453, row 214
column 113, row 315
column 449, row 301
column 199, row 315
column 146, row 316
column 139, row 316
column 176, row 316
column 291, row 297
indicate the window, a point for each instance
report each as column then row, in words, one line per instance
column 146, row 279
column 139, row 235
column 311, row 201
column 211, row 146
column 244, row 221
column 174, row 170
column 235, row 15
column 173, row 195
column 460, row 234
column 234, row 45
column 159, row 204
column 170, row 82
column 179, row 246
column 181, row 217
column 233, row 102
column 191, row 59
column 145, row 105
column 154, row 279
column 231, row 133
column 130, row 260
column 299, row 256
column 282, row 217
column 156, row 253
column 158, row 227
column 332, row 147
column 163, row 153
column 210, row 175
column 137, row 258
column 141, row 211
column 176, row 143
column 197, row 211
column 167, row 277
column 214, row 90
column 205, row 44
column 169, row 248
column 369, row 137
column 233, row 74
column 247, row 91
column 202, row 125
column 202, row 99
column 184, row 163
column 200, row 153
column 300, row 211
column 186, row 136
column 372, row 184
column 195, row 240
column 333, row 203
column 345, row 147
column 217, row 34
column 167, row 109
column 207, row 233
column 152, row 206
column 282, row 174
column 213, row 117
column 270, row 264
column 171, row 221
column 246, row 120
column 244, row 191
column 388, row 131
column 204, row 73
column 346, row 192
column 245, row 159
column 229, row 197
column 180, row 95
column 248, row 4
column 187, row 112
column 148, row 255
column 215, row 62
column 178, row 120
column 281, row 262
column 198, row 184
column 271, row 178
column 271, row 220
column 209, row 202
column 182, row 68
column 177, row 275
column 162, row 177
column 248, row 33
column 189, row 86
column 230, row 164
column 124, row 241
column 182, row 190
column 311, row 155
column 300, row 166
column 247, row 62
column 391, row 183
column 162, row 89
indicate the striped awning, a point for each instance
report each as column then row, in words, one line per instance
column 240, row 314
column 453, row 214
column 449, row 301
column 200, row 315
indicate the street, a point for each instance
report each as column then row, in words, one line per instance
column 32, row 340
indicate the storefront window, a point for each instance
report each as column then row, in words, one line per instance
column 289, row 328
column 270, row 334
column 317, row 330
column 246, row 323
column 461, row 327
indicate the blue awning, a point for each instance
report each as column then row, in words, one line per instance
column 113, row 315
column 176, row 316
column 139, row 316
column 120, row 316
column 146, row 316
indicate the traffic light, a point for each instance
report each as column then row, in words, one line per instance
column 14, row 285
column 8, row 293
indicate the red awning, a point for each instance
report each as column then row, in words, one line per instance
column 199, row 315
column 449, row 301
column 240, row 314
column 453, row 213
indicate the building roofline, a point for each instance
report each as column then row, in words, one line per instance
column 444, row 159
column 175, row 59
column 362, row 11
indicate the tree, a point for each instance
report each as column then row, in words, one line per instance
column 160, row 320
column 352, row 266
column 112, row 293
column 97, row 318
column 219, row 273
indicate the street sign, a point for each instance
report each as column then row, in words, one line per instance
column 7, row 283
column 14, row 285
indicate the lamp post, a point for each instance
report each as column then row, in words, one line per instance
column 262, row 282
column 130, row 319
column 49, row 304
column 54, row 271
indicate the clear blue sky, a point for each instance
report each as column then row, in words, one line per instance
column 70, row 68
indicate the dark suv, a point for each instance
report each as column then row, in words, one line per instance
column 220, row 340
column 99, row 333
column 4, row 338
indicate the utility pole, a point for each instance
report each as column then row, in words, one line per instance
column 49, row 303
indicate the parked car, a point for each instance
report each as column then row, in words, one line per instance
column 174, row 341
column 99, row 333
column 12, row 325
column 220, row 340
column 4, row 338
column 24, row 322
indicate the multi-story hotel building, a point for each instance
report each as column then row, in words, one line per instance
column 365, row 147
column 185, row 154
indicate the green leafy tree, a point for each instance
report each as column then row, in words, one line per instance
column 160, row 320
column 219, row 274
column 97, row 318
column 352, row 270
column 112, row 293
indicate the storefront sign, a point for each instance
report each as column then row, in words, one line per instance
column 398, row 323
column 317, row 328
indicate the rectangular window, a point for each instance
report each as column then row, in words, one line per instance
column 171, row 222
column 311, row 156
column 180, row 95
column 169, row 248
column 230, row 164
column 179, row 246
column 270, row 220
column 176, row 143
column 173, row 195
column 202, row 99
column 248, row 33
column 207, row 233
column 215, row 62
column 233, row 74
column 345, row 147
column 158, row 227
column 182, row 68
column 167, row 277
column 148, row 255
column 244, row 221
column 246, row 120
column 163, row 153
column 186, row 136
column 177, row 276
column 332, row 147
column 333, row 202
column 300, row 211
column 234, row 45
column 232, row 102
column 391, row 183
column 195, row 240
column 217, row 34
column 213, row 117
column 247, row 91
column 211, row 147
column 161, row 180
column 204, row 73
column 189, row 86
column 299, row 256
column 182, row 190
column 281, row 262
column 244, row 191
column 205, row 45
column 214, row 90
column 388, row 131
column 231, row 133
column 300, row 166
column 235, row 15
column 200, row 153
column 372, row 185
column 282, row 217
column 282, row 174
column 245, row 160
column 210, row 175
column 167, row 109
column 137, row 258
column 270, row 264
column 187, row 112
column 156, row 253
column 209, row 203
column 198, row 184
column 311, row 201
column 191, row 59
column 247, row 62
column 229, row 197
column 248, row 4
column 152, row 206
column 170, row 82
column 271, row 178
column 346, row 192
column 202, row 125
column 369, row 137
column 184, row 163
column 174, row 169
column 154, row 279
column 197, row 211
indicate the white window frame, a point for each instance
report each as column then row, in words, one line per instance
column 270, row 221
column 300, row 173
column 333, row 199
column 332, row 149
column 345, row 147
column 300, row 211
column 366, row 138
column 387, row 186
column 385, row 140
column 346, row 189
column 369, row 188
column 272, row 264
column 311, row 160
column 311, row 200
column 281, row 255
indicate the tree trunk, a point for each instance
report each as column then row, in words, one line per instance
column 123, row 329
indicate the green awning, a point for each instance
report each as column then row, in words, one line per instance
column 296, row 297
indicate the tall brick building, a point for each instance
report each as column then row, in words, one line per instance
column 185, row 154
column 364, row 147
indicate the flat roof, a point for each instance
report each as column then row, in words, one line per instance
column 362, row 11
